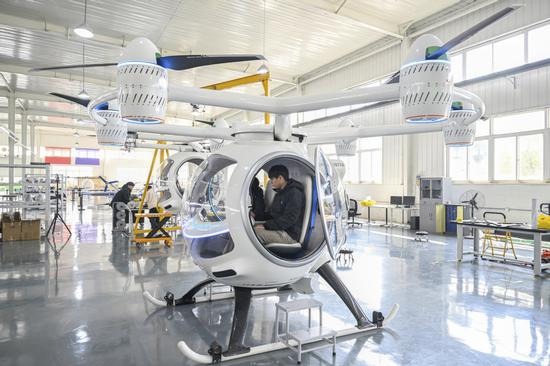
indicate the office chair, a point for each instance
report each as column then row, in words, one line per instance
column 352, row 213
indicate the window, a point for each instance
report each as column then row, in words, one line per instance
column 502, row 54
column 482, row 128
column 518, row 122
column 513, row 143
column 479, row 61
column 371, row 166
column 530, row 155
column 458, row 163
column 352, row 168
column 537, row 41
column 505, row 158
column 508, row 53
column 478, row 161
column 457, row 65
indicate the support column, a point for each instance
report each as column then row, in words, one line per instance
column 24, row 120
column 408, row 143
column 11, row 142
column 33, row 142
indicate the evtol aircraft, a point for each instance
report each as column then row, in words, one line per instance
column 215, row 205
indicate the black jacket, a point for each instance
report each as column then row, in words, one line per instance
column 124, row 195
column 287, row 210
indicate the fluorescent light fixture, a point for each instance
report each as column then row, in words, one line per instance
column 262, row 69
column 83, row 94
column 84, row 31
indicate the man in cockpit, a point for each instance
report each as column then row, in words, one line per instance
column 284, row 219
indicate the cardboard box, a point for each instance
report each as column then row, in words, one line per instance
column 30, row 230
column 11, row 231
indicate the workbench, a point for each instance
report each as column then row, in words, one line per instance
column 536, row 234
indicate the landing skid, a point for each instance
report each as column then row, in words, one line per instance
column 216, row 357
column 207, row 298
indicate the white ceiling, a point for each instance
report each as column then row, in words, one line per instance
column 300, row 36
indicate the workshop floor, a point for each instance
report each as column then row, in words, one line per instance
column 86, row 307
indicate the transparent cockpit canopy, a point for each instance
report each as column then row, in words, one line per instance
column 184, row 174
column 204, row 202
column 332, row 199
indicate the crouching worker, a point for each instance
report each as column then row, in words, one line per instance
column 124, row 195
column 284, row 219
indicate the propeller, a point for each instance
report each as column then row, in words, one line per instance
column 77, row 100
column 440, row 51
column 179, row 62
column 81, row 101
column 471, row 32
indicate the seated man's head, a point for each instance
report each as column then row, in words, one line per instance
column 279, row 176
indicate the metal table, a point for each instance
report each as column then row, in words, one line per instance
column 536, row 234
column 390, row 208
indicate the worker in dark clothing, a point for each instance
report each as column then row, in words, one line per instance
column 285, row 217
column 124, row 195
column 257, row 211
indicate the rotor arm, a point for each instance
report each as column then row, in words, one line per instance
column 165, row 129
column 463, row 95
column 96, row 102
column 284, row 105
column 332, row 135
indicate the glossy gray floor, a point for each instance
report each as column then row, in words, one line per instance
column 86, row 307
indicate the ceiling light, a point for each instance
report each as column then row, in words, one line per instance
column 84, row 30
column 262, row 69
column 75, row 134
column 83, row 94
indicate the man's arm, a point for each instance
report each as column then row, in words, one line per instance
column 291, row 212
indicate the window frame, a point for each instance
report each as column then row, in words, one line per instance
column 491, row 137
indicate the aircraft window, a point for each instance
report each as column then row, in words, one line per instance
column 185, row 172
column 312, row 236
column 206, row 195
column 204, row 208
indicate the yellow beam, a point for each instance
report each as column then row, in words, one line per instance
column 256, row 78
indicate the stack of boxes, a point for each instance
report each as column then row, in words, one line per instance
column 15, row 229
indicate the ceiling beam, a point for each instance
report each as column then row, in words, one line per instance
column 313, row 6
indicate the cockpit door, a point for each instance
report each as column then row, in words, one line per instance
column 332, row 202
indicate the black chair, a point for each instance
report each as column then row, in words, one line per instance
column 352, row 213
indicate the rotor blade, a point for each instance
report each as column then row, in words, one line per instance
column 475, row 196
column 394, row 78
column 77, row 100
column 184, row 62
column 72, row 67
column 205, row 122
column 470, row 32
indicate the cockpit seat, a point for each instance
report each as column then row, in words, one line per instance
column 285, row 250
